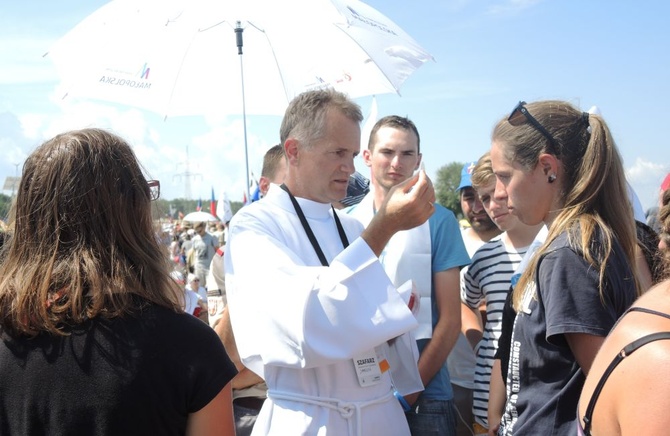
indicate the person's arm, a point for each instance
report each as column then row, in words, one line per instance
column 471, row 325
column 244, row 377
column 584, row 347
column 497, row 398
column 215, row 419
column 445, row 333
column 472, row 297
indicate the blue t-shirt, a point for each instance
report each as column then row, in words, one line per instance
column 447, row 251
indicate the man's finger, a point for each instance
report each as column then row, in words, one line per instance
column 410, row 183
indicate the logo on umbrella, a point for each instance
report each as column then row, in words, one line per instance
column 143, row 75
column 370, row 22
column 145, row 72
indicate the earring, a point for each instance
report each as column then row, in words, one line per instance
column 551, row 178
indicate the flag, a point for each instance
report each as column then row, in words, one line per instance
column 254, row 191
column 212, row 204
column 198, row 208
column 223, row 209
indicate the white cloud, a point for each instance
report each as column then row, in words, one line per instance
column 646, row 177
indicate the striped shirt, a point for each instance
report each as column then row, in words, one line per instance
column 488, row 280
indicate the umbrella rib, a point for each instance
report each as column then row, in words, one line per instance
column 274, row 56
column 181, row 64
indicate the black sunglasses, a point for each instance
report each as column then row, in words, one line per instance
column 520, row 115
column 154, row 189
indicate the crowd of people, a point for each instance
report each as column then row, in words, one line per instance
column 340, row 303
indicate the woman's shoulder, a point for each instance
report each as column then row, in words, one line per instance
column 636, row 386
column 657, row 297
column 163, row 321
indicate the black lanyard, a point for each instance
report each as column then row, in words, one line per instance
column 308, row 229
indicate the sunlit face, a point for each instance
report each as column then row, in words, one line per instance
column 195, row 284
column 474, row 212
column 323, row 169
column 394, row 157
column 526, row 192
column 496, row 209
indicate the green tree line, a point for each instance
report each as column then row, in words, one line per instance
column 447, row 180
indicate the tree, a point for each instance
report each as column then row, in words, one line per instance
column 448, row 178
column 5, row 206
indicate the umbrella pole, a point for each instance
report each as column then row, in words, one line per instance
column 238, row 39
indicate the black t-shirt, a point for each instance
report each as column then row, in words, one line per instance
column 544, row 379
column 502, row 353
column 135, row 375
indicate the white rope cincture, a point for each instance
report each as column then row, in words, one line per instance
column 347, row 409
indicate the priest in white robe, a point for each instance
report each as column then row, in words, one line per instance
column 311, row 314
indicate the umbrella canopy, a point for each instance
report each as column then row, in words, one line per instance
column 196, row 217
column 180, row 57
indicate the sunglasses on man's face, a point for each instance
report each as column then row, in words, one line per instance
column 520, row 115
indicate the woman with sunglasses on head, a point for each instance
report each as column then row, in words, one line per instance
column 94, row 341
column 559, row 166
column 626, row 390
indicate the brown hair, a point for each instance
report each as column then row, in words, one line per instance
column 593, row 181
column 482, row 174
column 83, row 242
column 664, row 235
column 305, row 117
column 396, row 122
column 271, row 160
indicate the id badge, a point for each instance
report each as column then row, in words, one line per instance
column 369, row 367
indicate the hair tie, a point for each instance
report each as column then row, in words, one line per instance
column 585, row 121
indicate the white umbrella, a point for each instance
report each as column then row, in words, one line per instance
column 194, row 57
column 196, row 217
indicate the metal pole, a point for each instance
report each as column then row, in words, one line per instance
column 240, row 44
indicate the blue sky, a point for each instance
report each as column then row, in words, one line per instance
column 488, row 56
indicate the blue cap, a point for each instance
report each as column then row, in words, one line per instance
column 466, row 174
